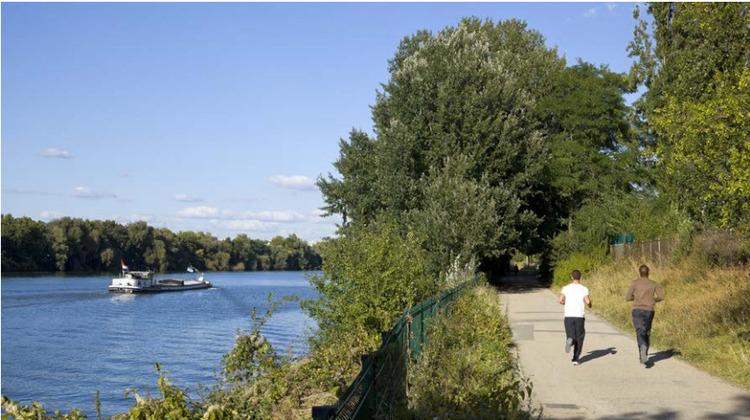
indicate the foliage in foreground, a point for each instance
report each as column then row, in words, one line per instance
column 35, row 411
column 466, row 369
column 370, row 276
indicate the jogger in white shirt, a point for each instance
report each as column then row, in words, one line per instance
column 574, row 296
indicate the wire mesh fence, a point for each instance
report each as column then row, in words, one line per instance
column 379, row 390
column 657, row 250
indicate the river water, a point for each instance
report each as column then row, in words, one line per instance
column 64, row 338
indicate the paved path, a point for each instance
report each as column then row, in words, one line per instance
column 609, row 383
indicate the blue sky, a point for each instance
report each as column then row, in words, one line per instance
column 218, row 117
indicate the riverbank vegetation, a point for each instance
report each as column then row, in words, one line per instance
column 71, row 244
column 467, row 368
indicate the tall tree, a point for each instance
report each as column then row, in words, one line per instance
column 694, row 62
column 471, row 90
column 593, row 153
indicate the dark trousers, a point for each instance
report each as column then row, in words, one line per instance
column 574, row 328
column 642, row 320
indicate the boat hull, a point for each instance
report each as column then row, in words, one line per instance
column 159, row 288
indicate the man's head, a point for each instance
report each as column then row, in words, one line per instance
column 643, row 270
column 576, row 275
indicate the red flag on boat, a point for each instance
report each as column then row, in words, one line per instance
column 124, row 267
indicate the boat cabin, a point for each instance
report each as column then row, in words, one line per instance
column 135, row 279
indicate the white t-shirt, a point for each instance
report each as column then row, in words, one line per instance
column 574, row 294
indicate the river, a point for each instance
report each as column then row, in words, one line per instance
column 65, row 337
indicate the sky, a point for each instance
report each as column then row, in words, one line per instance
column 218, row 117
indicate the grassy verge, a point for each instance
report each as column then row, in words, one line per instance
column 466, row 369
column 705, row 317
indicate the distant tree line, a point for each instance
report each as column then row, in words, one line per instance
column 72, row 244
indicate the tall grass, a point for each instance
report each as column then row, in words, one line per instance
column 466, row 369
column 705, row 316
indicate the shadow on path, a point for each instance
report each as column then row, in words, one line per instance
column 661, row 415
column 741, row 410
column 595, row 354
column 659, row 356
column 525, row 281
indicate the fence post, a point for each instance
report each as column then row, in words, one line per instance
column 658, row 243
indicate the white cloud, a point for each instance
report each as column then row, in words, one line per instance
column 590, row 13
column 85, row 192
column 198, row 212
column 294, row 182
column 188, row 198
column 269, row 215
column 611, row 7
column 244, row 225
column 279, row 216
column 51, row 152
column 264, row 224
column 50, row 215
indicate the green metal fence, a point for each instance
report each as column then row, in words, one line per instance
column 379, row 391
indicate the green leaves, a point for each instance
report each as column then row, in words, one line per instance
column 93, row 245
column 466, row 370
column 697, row 106
column 468, row 93
column 369, row 277
column 462, row 218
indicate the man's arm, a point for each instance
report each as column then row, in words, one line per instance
column 561, row 299
column 659, row 294
column 631, row 290
column 587, row 300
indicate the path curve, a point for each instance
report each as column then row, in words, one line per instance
column 609, row 383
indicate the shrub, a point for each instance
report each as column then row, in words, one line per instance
column 466, row 369
column 36, row 411
column 721, row 248
column 586, row 263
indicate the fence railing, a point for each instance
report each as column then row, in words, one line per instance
column 656, row 250
column 379, row 390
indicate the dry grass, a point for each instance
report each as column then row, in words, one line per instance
column 705, row 316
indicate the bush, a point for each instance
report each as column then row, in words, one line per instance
column 466, row 369
column 36, row 411
column 721, row 248
column 370, row 276
column 586, row 263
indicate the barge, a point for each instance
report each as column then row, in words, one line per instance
column 144, row 282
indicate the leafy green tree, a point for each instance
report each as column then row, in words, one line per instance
column 694, row 62
column 471, row 90
column 593, row 154
column 352, row 196
column 369, row 277
column 463, row 218
column 76, row 244
column 25, row 246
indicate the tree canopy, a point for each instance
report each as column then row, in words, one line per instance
column 484, row 141
column 71, row 244
column 694, row 61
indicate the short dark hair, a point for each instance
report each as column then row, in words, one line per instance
column 643, row 270
column 576, row 275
